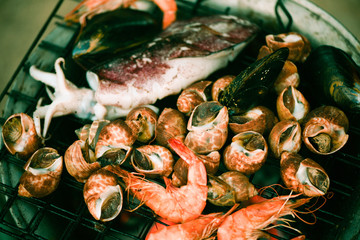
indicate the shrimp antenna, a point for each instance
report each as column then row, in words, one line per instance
column 272, row 187
column 303, row 220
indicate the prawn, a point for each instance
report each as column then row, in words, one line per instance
column 200, row 228
column 86, row 9
column 174, row 204
column 248, row 223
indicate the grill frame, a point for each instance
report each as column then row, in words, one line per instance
column 78, row 222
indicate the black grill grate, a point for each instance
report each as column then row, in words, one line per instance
column 64, row 211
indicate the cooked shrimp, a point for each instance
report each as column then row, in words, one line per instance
column 174, row 204
column 248, row 223
column 200, row 228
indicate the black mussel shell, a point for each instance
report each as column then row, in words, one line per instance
column 111, row 33
column 334, row 77
column 252, row 85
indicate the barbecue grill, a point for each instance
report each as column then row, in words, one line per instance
column 64, row 215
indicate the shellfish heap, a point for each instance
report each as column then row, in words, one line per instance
column 222, row 122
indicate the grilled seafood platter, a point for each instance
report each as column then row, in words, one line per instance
column 167, row 125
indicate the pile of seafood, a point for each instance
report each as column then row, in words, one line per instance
column 177, row 160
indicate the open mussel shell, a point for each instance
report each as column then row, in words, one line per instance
column 208, row 127
column 334, row 77
column 108, row 34
column 80, row 161
column 20, row 136
column 325, row 130
column 42, row 173
column 246, row 153
column 153, row 160
column 103, row 195
column 252, row 85
column 285, row 136
column 303, row 175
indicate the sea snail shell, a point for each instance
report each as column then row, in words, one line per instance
column 103, row 195
column 325, row 130
column 20, row 136
column 303, row 175
column 42, row 173
column 247, row 152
